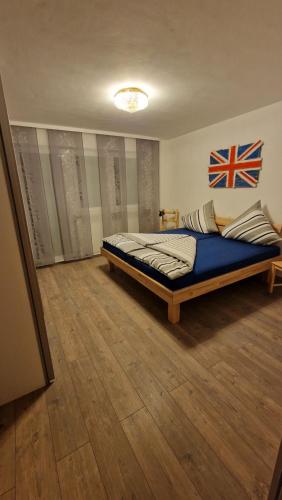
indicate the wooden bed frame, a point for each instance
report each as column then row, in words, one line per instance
column 175, row 298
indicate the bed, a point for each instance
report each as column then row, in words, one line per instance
column 219, row 262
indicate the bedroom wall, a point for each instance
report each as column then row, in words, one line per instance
column 184, row 165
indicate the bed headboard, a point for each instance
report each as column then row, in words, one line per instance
column 223, row 221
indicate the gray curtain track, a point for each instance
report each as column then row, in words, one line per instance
column 147, row 153
column 33, row 193
column 69, row 179
column 112, row 172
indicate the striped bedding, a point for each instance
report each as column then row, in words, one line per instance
column 171, row 254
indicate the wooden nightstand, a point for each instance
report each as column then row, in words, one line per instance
column 275, row 266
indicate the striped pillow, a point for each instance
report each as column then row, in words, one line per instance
column 202, row 220
column 255, row 206
column 253, row 227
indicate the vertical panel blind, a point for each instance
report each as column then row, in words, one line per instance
column 112, row 170
column 67, row 214
column 68, row 171
column 30, row 174
column 148, row 184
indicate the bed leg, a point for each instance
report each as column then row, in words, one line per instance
column 173, row 313
column 111, row 266
column 271, row 279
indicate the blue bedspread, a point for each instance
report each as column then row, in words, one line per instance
column 215, row 256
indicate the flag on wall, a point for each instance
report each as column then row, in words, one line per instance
column 236, row 167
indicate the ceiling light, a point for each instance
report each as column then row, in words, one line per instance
column 131, row 99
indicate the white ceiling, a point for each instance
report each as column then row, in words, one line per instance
column 201, row 61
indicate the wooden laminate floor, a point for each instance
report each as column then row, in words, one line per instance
column 144, row 409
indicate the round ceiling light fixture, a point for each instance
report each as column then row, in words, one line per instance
column 131, row 99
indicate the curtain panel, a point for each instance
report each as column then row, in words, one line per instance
column 58, row 172
column 69, row 179
column 112, row 172
column 33, row 193
column 147, row 153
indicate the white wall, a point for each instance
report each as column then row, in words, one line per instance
column 185, row 159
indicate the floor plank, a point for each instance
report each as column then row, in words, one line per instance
column 164, row 473
column 79, row 476
column 247, row 424
column 123, row 396
column 169, row 374
column 120, row 471
column 68, row 331
column 263, row 360
column 237, row 456
column 251, row 396
column 142, row 408
column 36, row 473
column 67, row 425
column 253, row 373
column 9, row 495
column 184, row 439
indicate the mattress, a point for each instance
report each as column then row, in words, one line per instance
column 215, row 256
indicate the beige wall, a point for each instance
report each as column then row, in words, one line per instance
column 20, row 363
column 185, row 160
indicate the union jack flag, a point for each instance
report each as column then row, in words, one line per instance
column 237, row 166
